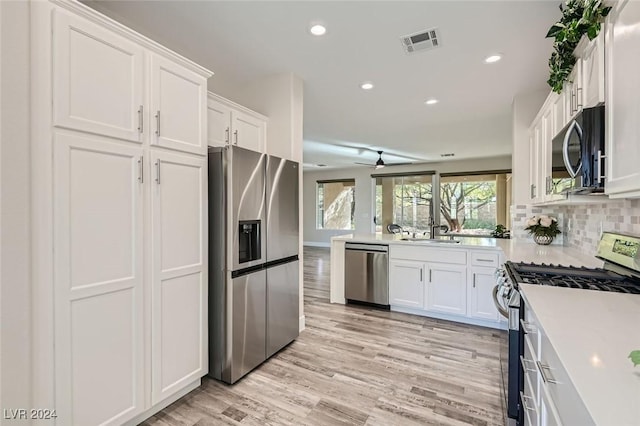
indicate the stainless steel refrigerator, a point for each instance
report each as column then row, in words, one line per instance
column 253, row 259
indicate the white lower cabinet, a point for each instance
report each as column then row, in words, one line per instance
column 481, row 304
column 444, row 282
column 179, row 279
column 446, row 288
column 98, row 283
column 406, row 288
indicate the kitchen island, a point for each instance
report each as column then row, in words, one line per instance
column 445, row 280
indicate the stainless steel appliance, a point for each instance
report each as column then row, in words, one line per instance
column 253, row 259
column 366, row 274
column 579, row 151
column 621, row 273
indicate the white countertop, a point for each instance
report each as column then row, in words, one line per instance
column 593, row 333
column 516, row 250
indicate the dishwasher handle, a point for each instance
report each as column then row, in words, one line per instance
column 378, row 248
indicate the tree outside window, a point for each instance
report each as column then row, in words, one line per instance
column 335, row 204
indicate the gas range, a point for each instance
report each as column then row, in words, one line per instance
column 571, row 277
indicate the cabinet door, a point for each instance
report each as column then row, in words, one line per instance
column 98, row 196
column 179, row 276
column 218, row 123
column 178, row 107
column 559, row 114
column 446, row 289
column 480, row 293
column 535, row 170
column 623, row 103
column 97, row 79
column 593, row 72
column 545, row 152
column 248, row 132
column 406, row 283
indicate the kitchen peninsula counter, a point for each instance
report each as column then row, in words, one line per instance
column 515, row 250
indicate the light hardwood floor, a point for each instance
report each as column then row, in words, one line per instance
column 357, row 366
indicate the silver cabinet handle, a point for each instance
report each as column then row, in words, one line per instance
column 597, row 164
column 578, row 98
column 531, row 191
column 158, row 171
column 158, row 123
column 226, row 136
column 527, row 327
column 141, row 169
column 484, row 260
column 524, row 363
column 474, row 280
column 141, row 119
column 545, row 378
column 235, row 133
column 429, row 275
column 524, row 398
column 420, row 274
column 548, row 188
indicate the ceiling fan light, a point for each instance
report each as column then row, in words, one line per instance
column 379, row 166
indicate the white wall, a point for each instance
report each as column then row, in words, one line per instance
column 15, row 283
column 524, row 109
column 364, row 191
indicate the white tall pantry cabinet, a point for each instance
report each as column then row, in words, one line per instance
column 120, row 149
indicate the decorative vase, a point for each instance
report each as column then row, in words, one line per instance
column 543, row 240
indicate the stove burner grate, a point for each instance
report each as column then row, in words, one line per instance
column 572, row 277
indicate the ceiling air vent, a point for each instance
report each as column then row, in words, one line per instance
column 423, row 40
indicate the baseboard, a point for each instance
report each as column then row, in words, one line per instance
column 301, row 323
column 163, row 404
column 454, row 318
column 316, row 244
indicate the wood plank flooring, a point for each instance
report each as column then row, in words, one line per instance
column 359, row 366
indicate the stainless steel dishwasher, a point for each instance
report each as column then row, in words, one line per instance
column 366, row 273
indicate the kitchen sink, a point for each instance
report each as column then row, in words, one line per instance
column 430, row 240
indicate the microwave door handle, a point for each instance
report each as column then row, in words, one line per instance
column 565, row 148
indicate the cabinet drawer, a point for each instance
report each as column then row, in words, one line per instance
column 555, row 380
column 532, row 331
column 530, row 369
column 482, row 258
column 428, row 254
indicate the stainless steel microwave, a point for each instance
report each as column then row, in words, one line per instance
column 578, row 152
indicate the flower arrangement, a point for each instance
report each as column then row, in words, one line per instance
column 543, row 225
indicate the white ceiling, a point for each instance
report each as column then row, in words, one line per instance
column 245, row 40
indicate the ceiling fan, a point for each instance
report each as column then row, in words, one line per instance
column 380, row 163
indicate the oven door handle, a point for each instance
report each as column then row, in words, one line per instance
column 499, row 307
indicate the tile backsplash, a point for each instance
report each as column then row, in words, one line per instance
column 581, row 225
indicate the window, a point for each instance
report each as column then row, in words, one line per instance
column 404, row 200
column 335, row 204
column 469, row 204
column 474, row 204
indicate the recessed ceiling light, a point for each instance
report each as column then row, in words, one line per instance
column 493, row 58
column 318, row 30
column 367, row 85
column 431, row 101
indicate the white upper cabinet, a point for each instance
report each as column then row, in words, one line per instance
column 97, row 79
column 178, row 107
column 248, row 131
column 623, row 103
column 536, row 192
column 218, row 123
column 592, row 58
column 233, row 124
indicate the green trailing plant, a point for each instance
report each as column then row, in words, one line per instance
column 635, row 357
column 579, row 17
